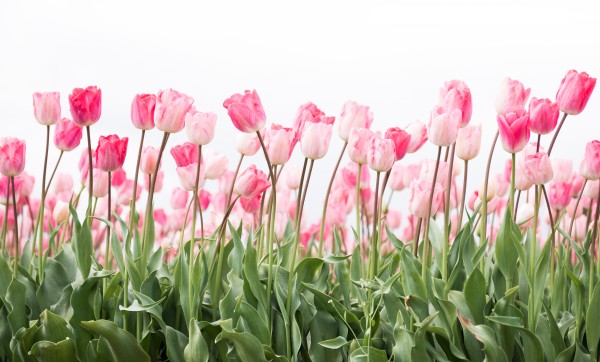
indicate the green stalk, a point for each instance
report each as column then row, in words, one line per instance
column 12, row 182
column 464, row 195
column 372, row 263
column 447, row 217
column 90, row 169
column 41, row 215
column 358, row 232
column 193, row 238
column 427, row 243
column 485, row 189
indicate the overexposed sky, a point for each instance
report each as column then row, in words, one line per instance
column 393, row 56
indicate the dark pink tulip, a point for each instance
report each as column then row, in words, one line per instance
column 142, row 111
column 246, row 111
column 543, row 115
column 171, row 108
column 67, row 135
column 185, row 154
column 514, row 130
column 401, row 140
column 456, row 94
column 46, row 107
column 574, row 92
column 110, row 153
column 251, row 182
column 559, row 194
column 86, row 105
column 118, row 177
column 12, row 156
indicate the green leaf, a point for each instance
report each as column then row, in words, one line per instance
column 176, row 343
column 475, row 295
column 506, row 253
column 485, row 335
column 115, row 344
column 82, row 243
column 63, row 351
column 592, row 329
column 196, row 350
column 335, row 343
column 246, row 345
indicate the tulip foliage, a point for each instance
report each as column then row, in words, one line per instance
column 236, row 268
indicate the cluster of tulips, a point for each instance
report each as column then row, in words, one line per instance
column 270, row 202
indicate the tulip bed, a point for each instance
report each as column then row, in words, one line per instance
column 508, row 272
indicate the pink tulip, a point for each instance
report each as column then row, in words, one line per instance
column 411, row 172
column 251, row 182
column 456, row 94
column 309, row 113
column 142, row 111
column 179, row 198
column 574, row 92
column 118, row 177
column 86, row 105
column 522, row 181
column 514, row 130
column 247, row 144
column 512, row 96
column 185, row 154
column 562, row 169
column 420, row 192
column 353, row 116
column 538, row 168
column 468, row 142
column 200, row 127
column 225, row 181
column 12, row 156
column 381, row 154
column 215, row 165
column 291, row 176
column 126, row 193
column 60, row 212
column 315, row 139
column 443, row 126
column 418, row 136
column 427, row 171
column 170, row 111
column 110, row 153
column 349, row 175
column 67, row 135
column 590, row 165
column 543, row 115
column 187, row 175
column 280, row 142
column 401, row 140
column 358, row 144
column 149, row 160
column 396, row 180
column 577, row 182
column 251, row 205
column 46, row 107
column 246, row 111
column 100, row 179
column 501, row 183
column 559, row 194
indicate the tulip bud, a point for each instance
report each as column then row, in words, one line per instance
column 468, row 142
column 574, row 92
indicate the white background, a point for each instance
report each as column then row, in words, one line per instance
column 392, row 56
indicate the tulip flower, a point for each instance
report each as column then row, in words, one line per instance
column 200, row 127
column 543, row 115
column 443, row 126
column 251, row 182
column 353, row 116
column 418, row 202
column 381, row 154
column 247, row 144
column 215, row 165
column 514, row 130
column 280, row 142
column 142, row 111
column 86, row 105
column 12, row 156
column 562, row 169
column 171, row 109
column 46, row 107
column 468, row 142
column 559, row 194
column 185, row 154
column 418, row 136
column 401, row 140
column 110, row 153
column 179, row 198
column 246, row 111
column 315, row 139
column 396, row 180
column 358, row 144
column 456, row 94
column 309, row 113
column 538, row 168
column 67, row 135
column 149, row 160
column 590, row 165
column 574, row 92
column 512, row 96
column 187, row 175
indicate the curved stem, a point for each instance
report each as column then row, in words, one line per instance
column 562, row 121
column 463, row 197
column 427, row 245
column 16, row 236
column 552, row 233
column 4, row 219
column 358, row 172
column 135, row 183
column 195, row 201
column 373, row 262
column 54, row 171
column 299, row 196
column 575, row 211
column 485, row 189
column 41, row 214
column 325, row 203
column 237, row 170
column 90, row 168
column 416, row 238
column 108, row 230
column 447, row 216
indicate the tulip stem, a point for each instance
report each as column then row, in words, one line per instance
column 372, row 263
column 108, row 229
column 594, row 230
column 575, row 215
column 416, row 238
column 562, row 121
column 447, row 216
column 54, row 171
column 40, row 222
column 485, row 190
column 325, row 203
column 299, row 196
column 16, row 236
column 464, row 195
column 90, row 169
column 145, row 241
column 358, row 231
column 426, row 241
column 552, row 234
column 193, row 238
column 237, row 171
column 135, row 183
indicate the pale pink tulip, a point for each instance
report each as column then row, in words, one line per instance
column 418, row 136
column 468, row 142
column 456, row 94
column 187, row 175
column 396, row 180
column 46, row 107
column 590, row 165
column 60, row 212
column 562, row 169
column 353, row 116
column 251, row 182
column 291, row 175
column 512, row 96
column 309, row 113
column 280, row 142
column 315, row 139
column 179, row 198
column 559, row 194
column 246, row 111
column 100, row 179
column 200, row 127
column 443, row 126
column 420, row 192
column 215, row 165
column 358, row 144
column 381, row 154
column 12, row 156
column 247, row 144
column 411, row 172
column 574, row 92
column 142, row 111
column 538, row 168
column 171, row 108
column 149, row 160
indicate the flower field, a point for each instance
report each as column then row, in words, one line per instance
column 499, row 268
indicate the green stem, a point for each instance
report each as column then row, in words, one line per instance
column 54, row 171
column 108, row 230
column 447, row 217
column 372, row 263
column 358, row 232
column 16, row 236
column 484, row 201
column 193, row 238
column 324, row 214
column 90, row 170
column 464, row 195
column 427, row 243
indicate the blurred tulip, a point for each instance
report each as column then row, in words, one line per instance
column 12, row 156
column 200, row 127
column 455, row 94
